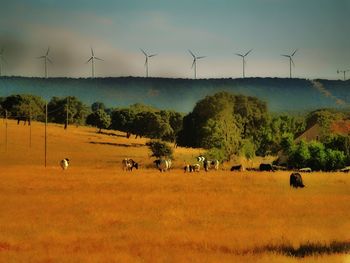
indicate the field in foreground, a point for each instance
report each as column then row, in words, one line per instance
column 95, row 212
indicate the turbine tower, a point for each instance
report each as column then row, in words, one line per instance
column 290, row 61
column 46, row 58
column 243, row 60
column 194, row 63
column 146, row 61
column 92, row 59
column 344, row 72
column 2, row 59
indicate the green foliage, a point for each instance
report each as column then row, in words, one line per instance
column 123, row 120
column 160, row 149
column 334, row 159
column 99, row 119
column 300, row 156
column 316, row 156
column 77, row 111
column 222, row 121
column 145, row 121
column 247, row 149
column 216, row 154
column 24, row 106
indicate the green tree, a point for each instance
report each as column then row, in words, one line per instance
column 77, row 111
column 301, row 155
column 334, row 159
column 317, row 159
column 160, row 149
column 24, row 107
column 99, row 119
column 123, row 120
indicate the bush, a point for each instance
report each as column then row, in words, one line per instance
column 160, row 149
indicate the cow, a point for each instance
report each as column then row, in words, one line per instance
column 129, row 164
column 266, row 167
column 211, row 164
column 192, row 168
column 163, row 164
column 64, row 163
column 305, row 170
column 345, row 169
column 237, row 168
column 296, row 181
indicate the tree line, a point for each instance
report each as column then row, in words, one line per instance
column 224, row 124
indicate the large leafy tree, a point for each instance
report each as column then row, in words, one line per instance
column 77, row 110
column 222, row 121
column 24, row 107
column 99, row 119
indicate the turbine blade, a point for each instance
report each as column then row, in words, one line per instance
column 153, row 55
column 287, row 56
column 99, row 58
column 294, row 52
column 191, row 53
column 48, row 50
column 49, row 59
column 143, row 52
column 146, row 60
column 248, row 52
column 194, row 61
column 92, row 52
column 200, row 57
column 41, row 57
column 89, row 60
column 240, row 55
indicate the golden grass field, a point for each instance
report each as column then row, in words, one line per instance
column 95, row 212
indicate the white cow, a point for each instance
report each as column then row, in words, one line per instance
column 163, row 164
column 64, row 163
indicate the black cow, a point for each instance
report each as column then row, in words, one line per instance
column 237, row 168
column 266, row 167
column 296, row 181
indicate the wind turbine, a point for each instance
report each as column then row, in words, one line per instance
column 343, row 71
column 194, row 63
column 290, row 61
column 92, row 59
column 243, row 60
column 46, row 58
column 146, row 61
column 2, row 59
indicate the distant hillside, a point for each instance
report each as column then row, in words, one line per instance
column 287, row 95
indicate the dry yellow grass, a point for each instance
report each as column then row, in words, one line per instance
column 95, row 212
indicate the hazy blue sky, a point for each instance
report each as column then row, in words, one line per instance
column 213, row 28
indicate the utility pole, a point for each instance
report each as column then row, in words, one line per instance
column 67, row 113
column 45, row 134
column 5, row 130
column 30, row 128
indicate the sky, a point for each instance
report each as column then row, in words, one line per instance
column 217, row 29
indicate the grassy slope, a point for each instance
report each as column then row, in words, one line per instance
column 95, row 212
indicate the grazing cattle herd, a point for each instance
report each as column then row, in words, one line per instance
column 165, row 164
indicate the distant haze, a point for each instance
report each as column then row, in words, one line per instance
column 217, row 29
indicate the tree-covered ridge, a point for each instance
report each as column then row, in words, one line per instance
column 282, row 95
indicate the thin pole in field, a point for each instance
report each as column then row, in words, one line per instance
column 45, row 134
column 5, row 130
column 30, row 128
column 67, row 108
